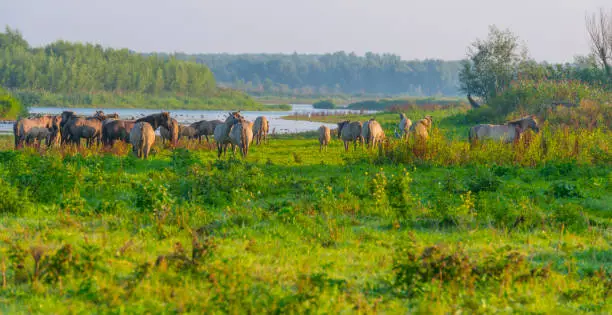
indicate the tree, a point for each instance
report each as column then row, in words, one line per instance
column 599, row 27
column 492, row 64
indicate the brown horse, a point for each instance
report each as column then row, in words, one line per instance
column 117, row 130
column 24, row 126
column 89, row 128
column 156, row 120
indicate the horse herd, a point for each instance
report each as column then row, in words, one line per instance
column 69, row 129
column 371, row 133
column 235, row 132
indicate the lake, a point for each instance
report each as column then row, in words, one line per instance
column 277, row 124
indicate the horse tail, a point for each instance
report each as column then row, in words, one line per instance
column 16, row 132
column 243, row 140
column 471, row 134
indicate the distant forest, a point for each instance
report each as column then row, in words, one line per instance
column 75, row 74
column 71, row 67
column 328, row 74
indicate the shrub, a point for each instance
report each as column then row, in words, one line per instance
column 483, row 180
column 325, row 104
column 563, row 189
column 12, row 201
column 571, row 216
column 10, row 107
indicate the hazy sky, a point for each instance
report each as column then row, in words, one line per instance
column 552, row 29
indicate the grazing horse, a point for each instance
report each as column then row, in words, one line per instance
column 24, row 126
column 507, row 133
column 324, row 137
column 205, row 128
column 421, row 128
column 222, row 132
column 404, row 125
column 349, row 131
column 261, row 129
column 142, row 138
column 241, row 135
column 375, row 134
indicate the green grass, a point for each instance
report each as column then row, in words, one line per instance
column 293, row 230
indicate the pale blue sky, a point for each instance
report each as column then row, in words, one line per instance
column 552, row 29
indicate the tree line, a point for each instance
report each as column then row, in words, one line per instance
column 64, row 67
column 334, row 73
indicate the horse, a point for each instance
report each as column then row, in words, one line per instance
column 142, row 138
column 507, row 133
column 324, row 137
column 222, row 132
column 241, row 135
column 404, row 125
column 261, row 129
column 349, row 131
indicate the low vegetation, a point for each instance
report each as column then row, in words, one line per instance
column 497, row 227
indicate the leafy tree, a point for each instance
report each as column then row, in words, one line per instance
column 325, row 104
column 492, row 64
column 64, row 67
column 10, row 107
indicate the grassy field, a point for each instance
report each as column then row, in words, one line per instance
column 498, row 228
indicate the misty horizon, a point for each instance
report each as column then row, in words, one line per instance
column 553, row 31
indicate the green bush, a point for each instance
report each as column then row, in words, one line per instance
column 10, row 107
column 12, row 201
column 564, row 189
column 325, row 104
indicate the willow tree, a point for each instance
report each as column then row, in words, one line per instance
column 491, row 64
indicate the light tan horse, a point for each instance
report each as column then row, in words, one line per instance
column 241, row 136
column 376, row 134
column 23, row 126
column 421, row 129
column 324, row 137
column 507, row 133
column 142, row 138
column 261, row 129
column 222, row 132
column 404, row 125
column 349, row 131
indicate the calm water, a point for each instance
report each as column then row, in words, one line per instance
column 277, row 124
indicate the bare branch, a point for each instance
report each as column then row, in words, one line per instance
column 599, row 28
